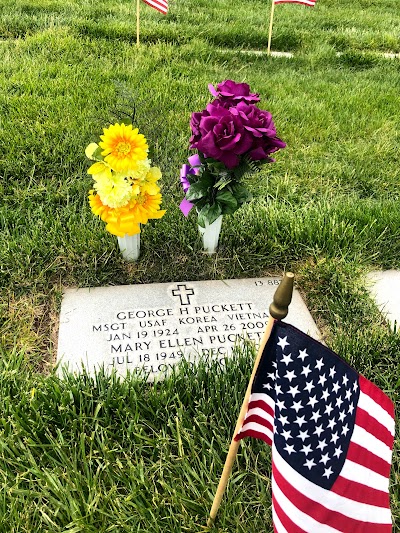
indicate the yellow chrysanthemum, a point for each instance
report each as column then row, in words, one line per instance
column 99, row 170
column 140, row 170
column 149, row 182
column 123, row 147
column 97, row 206
column 147, row 206
column 114, row 190
column 120, row 221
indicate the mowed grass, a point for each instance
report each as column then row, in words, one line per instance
column 78, row 455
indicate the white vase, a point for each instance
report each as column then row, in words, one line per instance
column 130, row 246
column 211, row 235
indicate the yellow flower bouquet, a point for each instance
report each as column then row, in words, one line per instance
column 125, row 192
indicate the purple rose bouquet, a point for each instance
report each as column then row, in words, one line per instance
column 233, row 137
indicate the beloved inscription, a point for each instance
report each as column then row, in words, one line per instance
column 191, row 320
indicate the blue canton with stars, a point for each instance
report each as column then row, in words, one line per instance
column 316, row 395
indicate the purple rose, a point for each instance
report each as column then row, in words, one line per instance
column 196, row 118
column 259, row 124
column 230, row 93
column 195, row 126
column 220, row 134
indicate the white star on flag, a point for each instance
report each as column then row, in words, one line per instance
column 287, row 359
column 282, row 342
column 303, row 354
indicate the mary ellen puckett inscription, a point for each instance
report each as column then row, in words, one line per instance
column 152, row 327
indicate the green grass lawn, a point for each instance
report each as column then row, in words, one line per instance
column 107, row 456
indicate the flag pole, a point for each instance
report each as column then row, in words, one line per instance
column 270, row 26
column 137, row 21
column 277, row 311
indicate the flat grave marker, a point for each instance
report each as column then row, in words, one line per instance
column 384, row 287
column 151, row 327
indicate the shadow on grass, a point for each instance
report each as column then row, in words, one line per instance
column 287, row 41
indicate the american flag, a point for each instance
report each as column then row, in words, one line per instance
column 160, row 5
column 331, row 432
column 310, row 3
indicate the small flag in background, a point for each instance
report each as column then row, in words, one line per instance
column 160, row 5
column 310, row 3
column 331, row 432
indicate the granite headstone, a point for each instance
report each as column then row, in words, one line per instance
column 151, row 327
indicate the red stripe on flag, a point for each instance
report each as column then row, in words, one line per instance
column 294, row 2
column 261, row 405
column 161, row 6
column 363, row 457
column 322, row 514
column 255, row 434
column 360, row 493
column 285, row 520
column 257, row 419
column 377, row 395
column 370, row 424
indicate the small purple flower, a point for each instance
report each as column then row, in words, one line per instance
column 192, row 168
column 230, row 92
column 185, row 170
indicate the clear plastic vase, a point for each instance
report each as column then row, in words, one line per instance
column 210, row 235
column 130, row 246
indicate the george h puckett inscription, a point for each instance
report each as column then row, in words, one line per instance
column 151, row 327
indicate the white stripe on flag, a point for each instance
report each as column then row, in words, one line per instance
column 305, row 2
column 253, row 426
column 261, row 413
column 304, row 521
column 335, row 502
column 366, row 403
column 360, row 474
column 372, row 444
column 257, row 396
column 161, row 5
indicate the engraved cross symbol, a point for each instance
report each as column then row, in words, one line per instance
column 183, row 292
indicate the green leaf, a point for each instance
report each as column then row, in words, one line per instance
column 192, row 178
column 197, row 191
column 241, row 194
column 228, row 202
column 97, row 154
column 207, row 179
column 209, row 214
column 200, row 204
column 223, row 182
